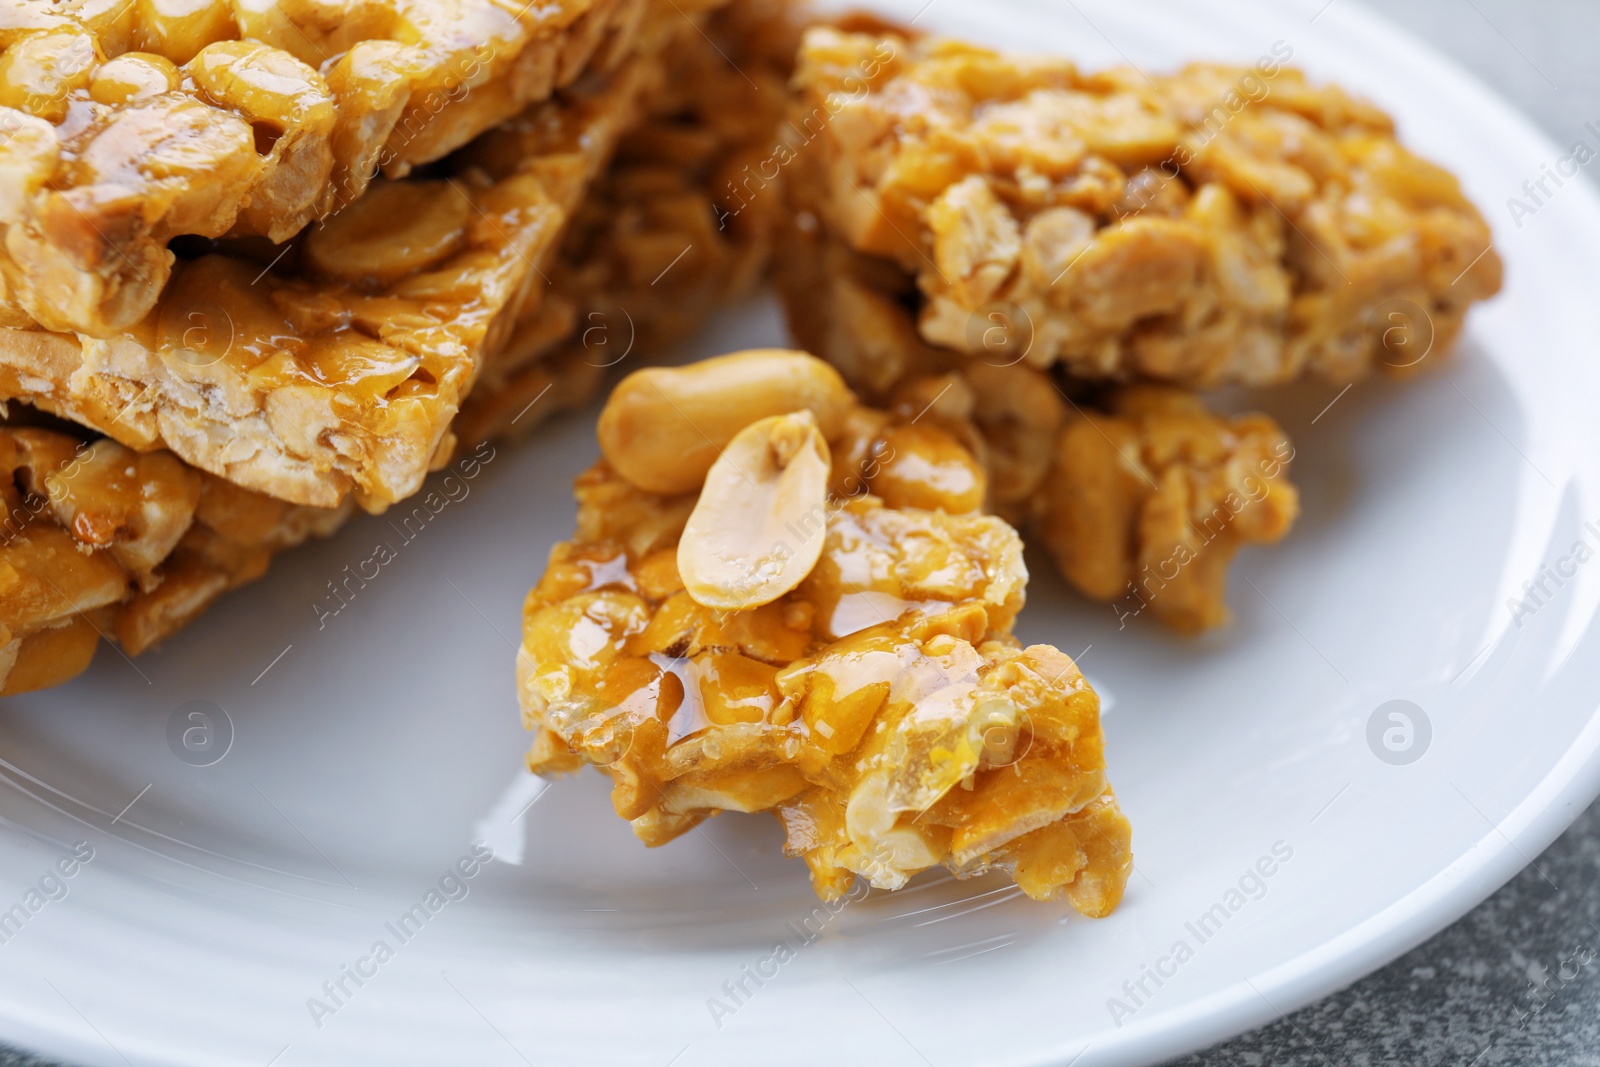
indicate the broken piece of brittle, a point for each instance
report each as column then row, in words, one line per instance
column 1216, row 225
column 1142, row 496
column 99, row 540
column 855, row 673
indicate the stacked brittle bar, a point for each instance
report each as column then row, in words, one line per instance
column 134, row 123
column 333, row 364
column 275, row 386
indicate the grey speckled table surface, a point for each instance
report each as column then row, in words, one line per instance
column 1517, row 981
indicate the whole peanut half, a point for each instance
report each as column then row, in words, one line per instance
column 759, row 526
column 663, row 427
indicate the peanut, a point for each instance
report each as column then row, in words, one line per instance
column 924, row 467
column 759, row 526
column 663, row 427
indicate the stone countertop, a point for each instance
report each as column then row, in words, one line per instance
column 1517, row 981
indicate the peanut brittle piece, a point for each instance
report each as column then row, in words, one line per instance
column 124, row 125
column 99, row 541
column 333, row 365
column 1215, row 225
column 1141, row 495
column 780, row 600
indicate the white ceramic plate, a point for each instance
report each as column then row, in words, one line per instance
column 369, row 753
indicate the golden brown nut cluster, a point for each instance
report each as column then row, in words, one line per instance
column 1141, row 495
column 124, row 125
column 872, row 697
column 1217, row 225
column 334, row 365
column 1151, row 495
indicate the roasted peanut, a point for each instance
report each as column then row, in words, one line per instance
column 38, row 73
column 759, row 526
column 663, row 428
column 131, row 78
column 135, row 506
column 1019, row 412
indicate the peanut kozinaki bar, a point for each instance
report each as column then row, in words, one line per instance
column 1141, row 495
column 780, row 600
column 53, row 607
column 334, row 364
column 1216, row 225
column 125, row 124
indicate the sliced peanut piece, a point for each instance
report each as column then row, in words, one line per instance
column 664, row 426
column 136, row 506
column 759, row 525
column 893, row 852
